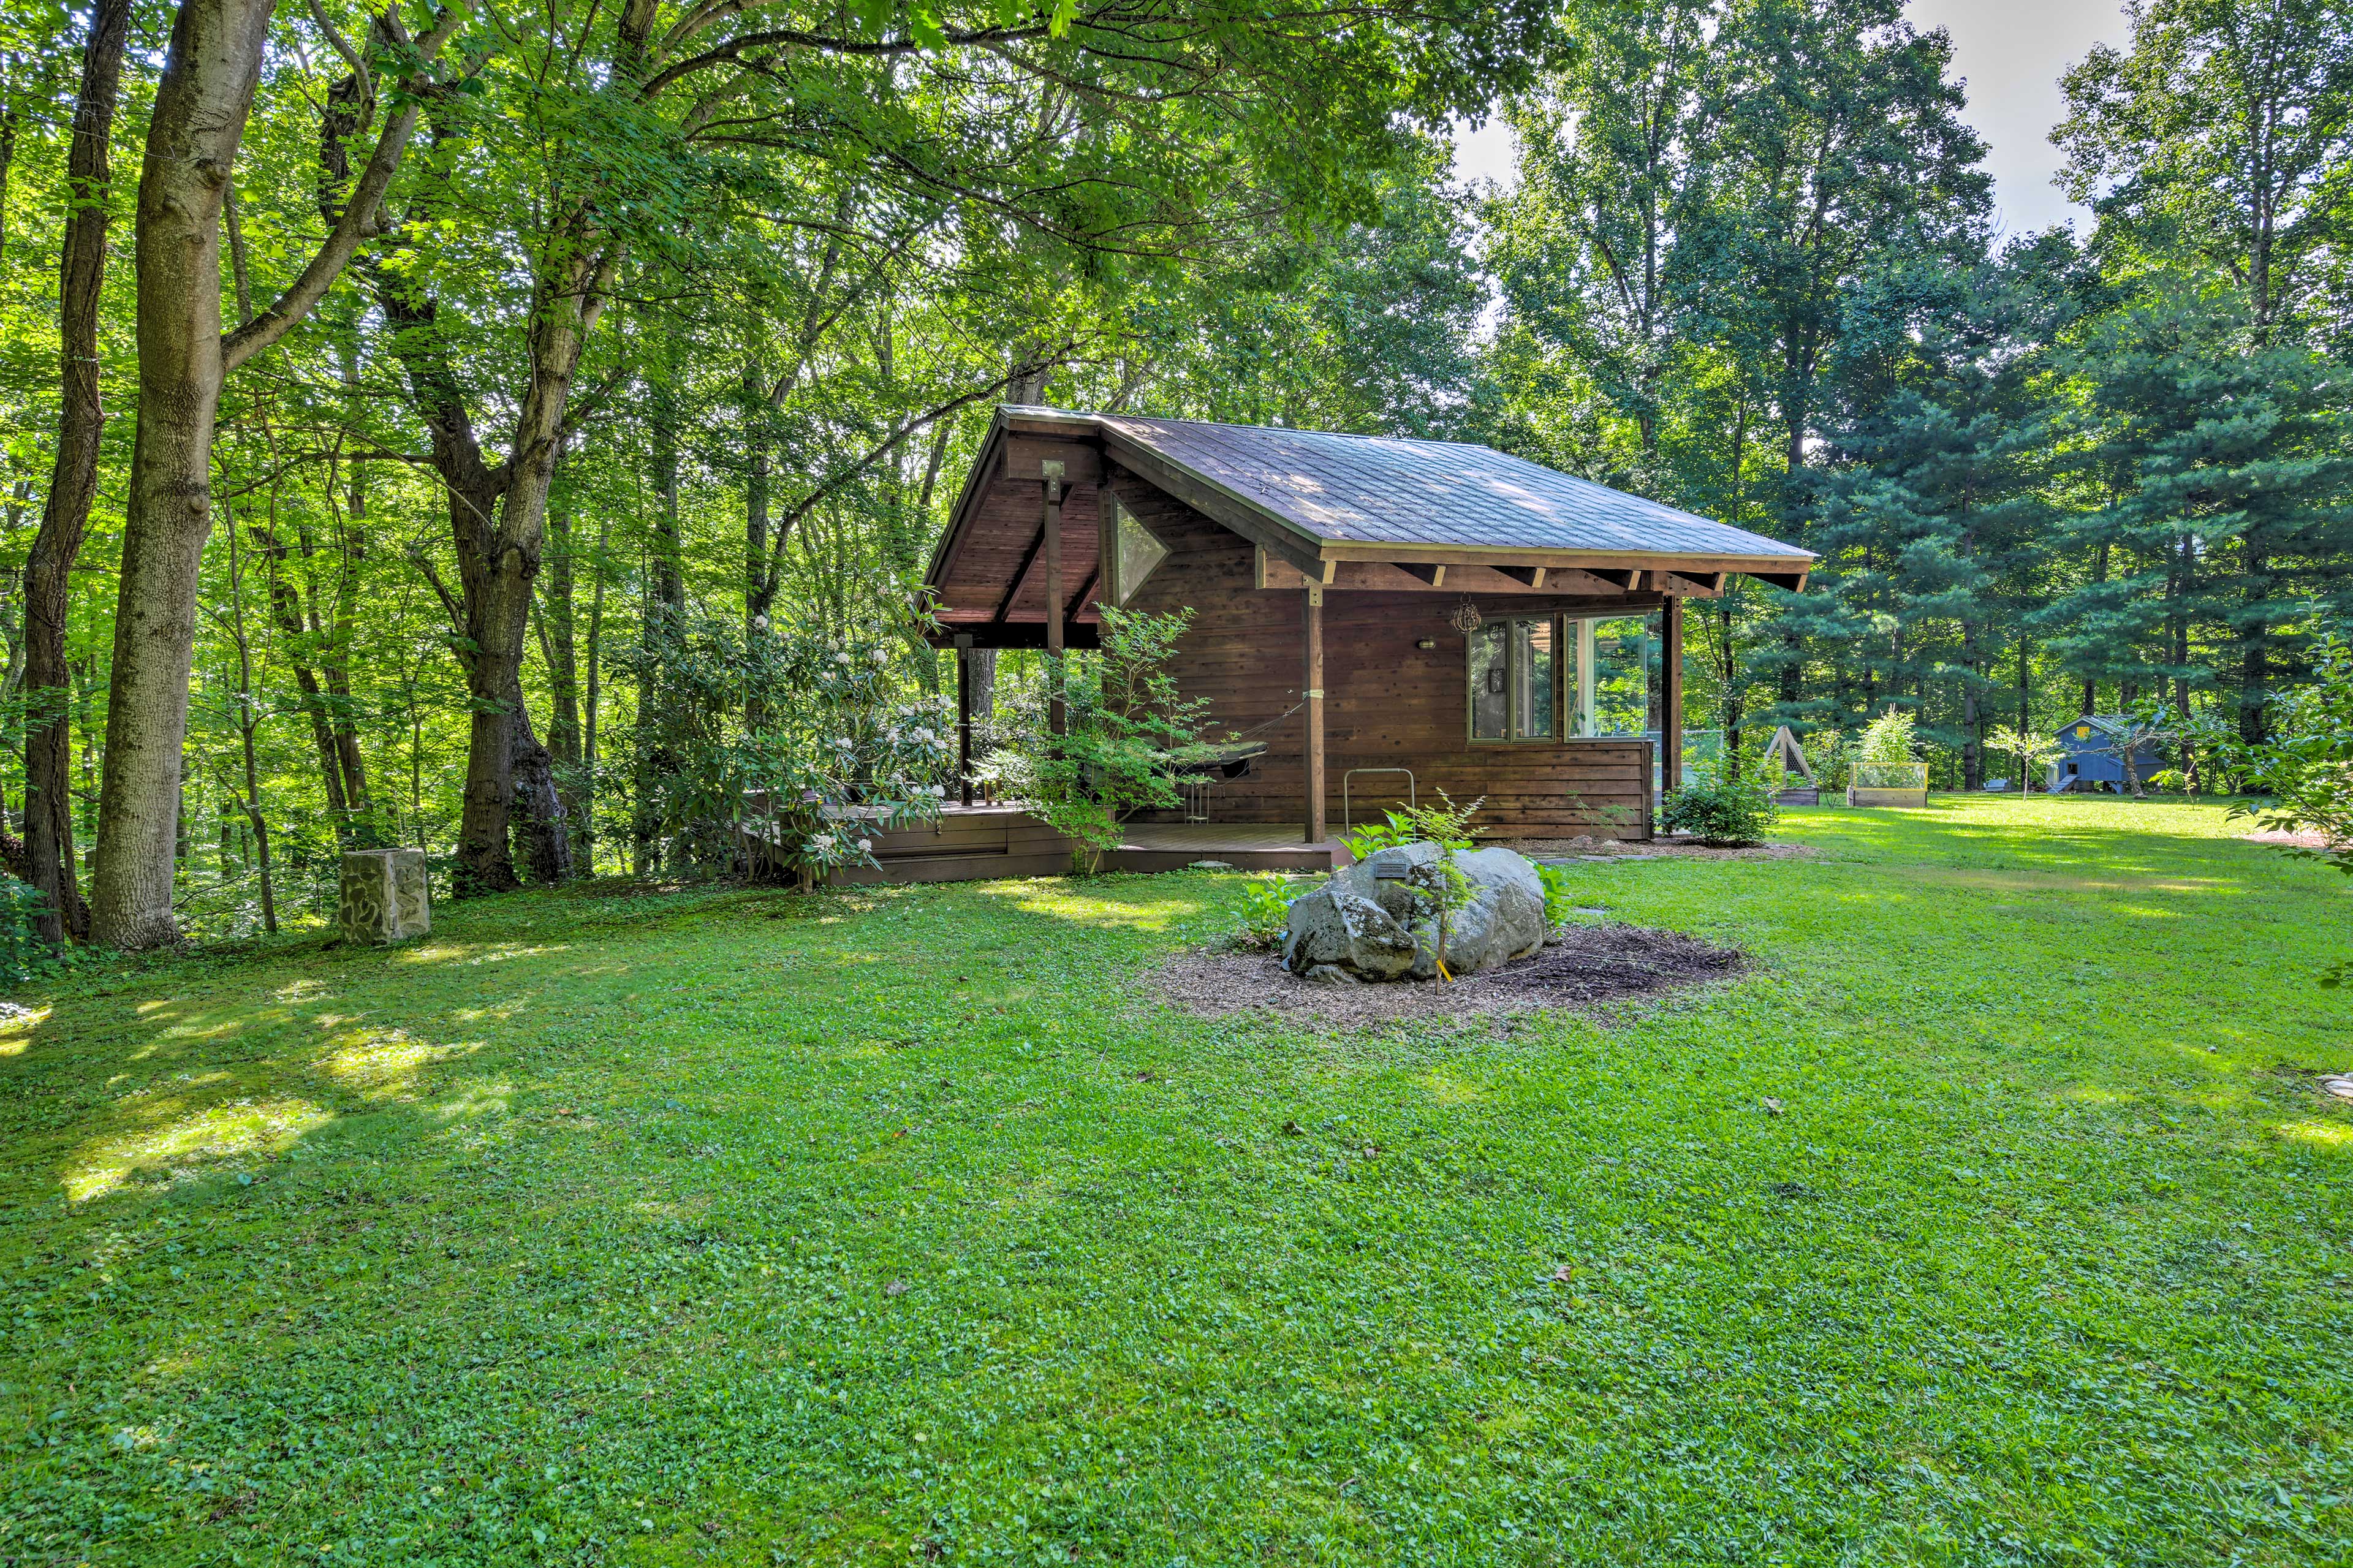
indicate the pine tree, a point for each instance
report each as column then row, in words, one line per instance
column 2230, row 517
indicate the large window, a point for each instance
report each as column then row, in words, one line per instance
column 1621, row 656
column 1514, row 678
column 1537, row 678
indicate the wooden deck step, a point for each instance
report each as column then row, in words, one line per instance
column 1245, row 857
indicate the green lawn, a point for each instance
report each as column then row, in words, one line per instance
column 732, row 1227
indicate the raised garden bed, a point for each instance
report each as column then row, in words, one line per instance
column 1903, row 784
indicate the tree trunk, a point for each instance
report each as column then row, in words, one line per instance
column 2255, row 666
column 201, row 104
column 585, row 831
column 665, row 607
column 336, row 654
column 506, row 767
column 73, row 483
column 1973, row 742
column 759, row 581
column 286, row 610
column 247, row 720
column 559, row 646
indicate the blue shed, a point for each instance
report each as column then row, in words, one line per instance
column 2086, row 764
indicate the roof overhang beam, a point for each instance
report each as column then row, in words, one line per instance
column 1013, row 634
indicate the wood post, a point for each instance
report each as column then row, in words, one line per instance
column 964, row 717
column 1312, row 695
column 1054, row 716
column 1671, row 694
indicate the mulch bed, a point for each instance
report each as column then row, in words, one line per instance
column 1587, row 966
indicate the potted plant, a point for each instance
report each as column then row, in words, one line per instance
column 1887, row 771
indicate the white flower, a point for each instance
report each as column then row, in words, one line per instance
column 841, row 658
column 879, row 658
column 864, row 845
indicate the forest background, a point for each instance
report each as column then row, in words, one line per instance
column 576, row 366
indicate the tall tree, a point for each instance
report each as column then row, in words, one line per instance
column 73, row 482
column 2222, row 134
column 210, row 74
column 2231, row 516
column 1614, row 170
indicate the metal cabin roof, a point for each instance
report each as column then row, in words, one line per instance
column 2107, row 725
column 1385, row 490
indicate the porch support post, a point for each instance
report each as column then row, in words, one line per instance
column 1312, row 694
column 964, row 717
column 1053, row 596
column 1671, row 694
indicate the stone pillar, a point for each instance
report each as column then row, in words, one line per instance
column 384, row 896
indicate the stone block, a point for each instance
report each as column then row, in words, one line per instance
column 384, row 896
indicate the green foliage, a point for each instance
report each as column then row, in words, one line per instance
column 2219, row 133
column 1887, row 754
column 810, row 736
column 1262, row 914
column 23, row 955
column 1445, row 824
column 1887, row 740
column 1720, row 808
column 2303, row 771
column 1558, row 898
column 2226, row 456
column 1129, row 735
column 2032, row 751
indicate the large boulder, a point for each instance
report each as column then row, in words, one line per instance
column 1377, row 919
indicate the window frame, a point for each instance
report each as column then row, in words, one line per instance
column 1514, row 647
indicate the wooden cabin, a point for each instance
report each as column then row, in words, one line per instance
column 1386, row 618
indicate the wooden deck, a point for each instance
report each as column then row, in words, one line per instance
column 1244, row 846
column 978, row 843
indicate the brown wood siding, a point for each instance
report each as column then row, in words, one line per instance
column 1387, row 703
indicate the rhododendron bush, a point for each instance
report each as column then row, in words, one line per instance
column 812, row 738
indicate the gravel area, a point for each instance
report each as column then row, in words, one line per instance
column 1586, row 966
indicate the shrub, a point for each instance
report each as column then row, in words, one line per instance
column 1264, row 915
column 1887, row 757
column 814, row 729
column 2305, row 772
column 1127, row 736
column 23, row 953
column 1558, row 900
column 1722, row 811
column 1446, row 824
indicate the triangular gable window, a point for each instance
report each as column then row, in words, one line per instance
column 1139, row 552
